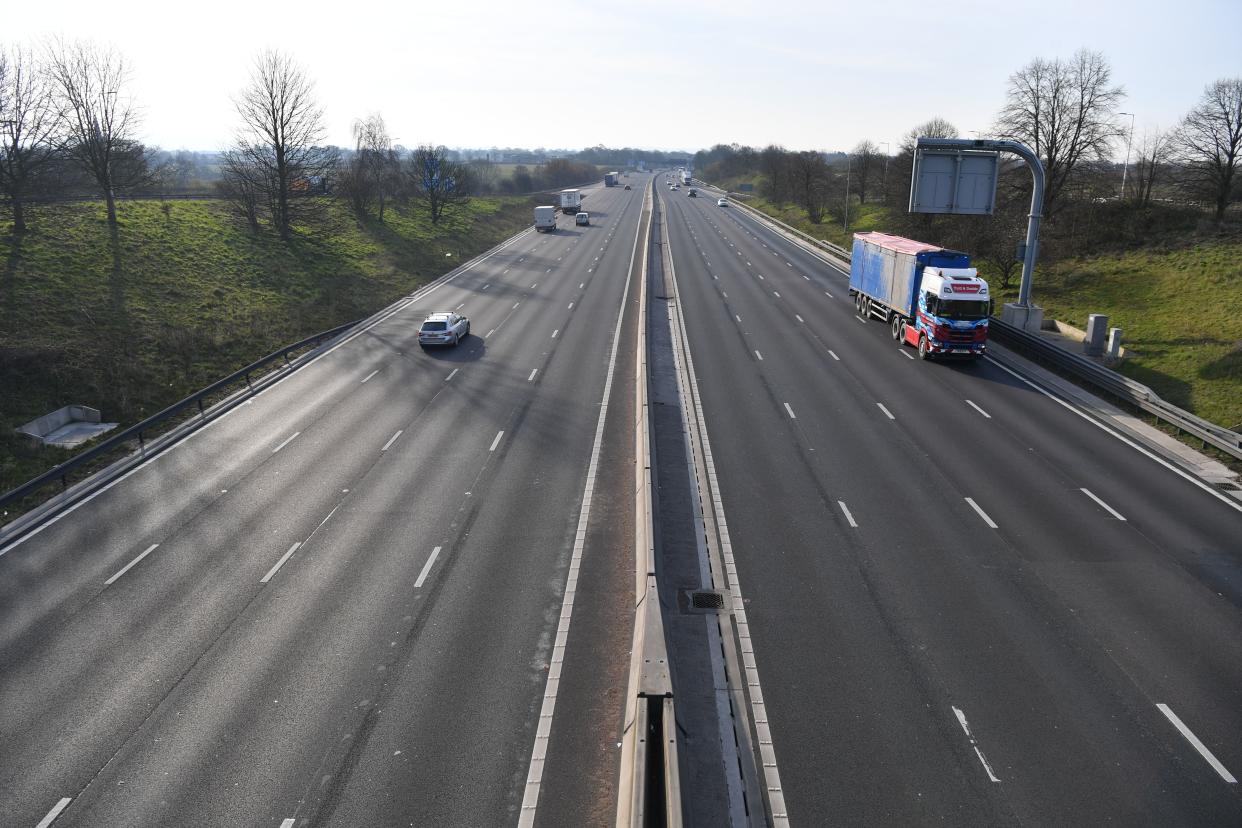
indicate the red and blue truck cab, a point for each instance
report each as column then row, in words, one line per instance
column 930, row 297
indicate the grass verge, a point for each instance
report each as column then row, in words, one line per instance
column 182, row 294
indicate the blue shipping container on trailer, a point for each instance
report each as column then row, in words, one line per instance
column 930, row 297
column 889, row 269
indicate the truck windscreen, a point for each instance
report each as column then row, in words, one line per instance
column 959, row 308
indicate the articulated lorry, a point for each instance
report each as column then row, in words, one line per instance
column 571, row 201
column 610, row 179
column 686, row 177
column 545, row 219
column 930, row 297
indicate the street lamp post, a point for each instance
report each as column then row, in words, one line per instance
column 1126, row 166
column 884, row 176
column 845, row 217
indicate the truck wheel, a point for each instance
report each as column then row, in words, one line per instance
column 896, row 327
column 924, row 353
column 901, row 332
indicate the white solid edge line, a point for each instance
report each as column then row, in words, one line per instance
column 1186, row 475
column 792, row 415
column 496, row 442
column 391, row 440
column 287, row 441
column 55, row 812
column 961, row 718
column 431, row 559
column 1199, row 746
column 279, row 563
column 1103, row 505
column 373, row 373
column 887, row 413
column 982, row 513
column 976, row 408
column 534, row 776
column 127, row 566
column 848, row 515
column 533, row 371
column 452, row 374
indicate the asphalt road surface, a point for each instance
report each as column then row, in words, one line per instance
column 969, row 605
column 395, row 587
column 339, row 603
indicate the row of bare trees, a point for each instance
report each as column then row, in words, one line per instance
column 1066, row 110
column 279, row 157
column 67, row 101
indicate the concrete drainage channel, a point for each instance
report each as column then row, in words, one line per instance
column 689, row 620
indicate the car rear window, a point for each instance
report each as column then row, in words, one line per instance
column 435, row 326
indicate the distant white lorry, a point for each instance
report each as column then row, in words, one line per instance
column 686, row 177
column 545, row 218
column 571, row 201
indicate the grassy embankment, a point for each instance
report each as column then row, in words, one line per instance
column 183, row 294
column 1178, row 301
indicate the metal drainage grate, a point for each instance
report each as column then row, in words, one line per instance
column 707, row 600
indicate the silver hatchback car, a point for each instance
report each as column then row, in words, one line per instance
column 445, row 328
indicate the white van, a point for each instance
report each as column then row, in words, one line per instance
column 545, row 219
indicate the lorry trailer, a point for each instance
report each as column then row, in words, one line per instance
column 930, row 297
column 610, row 179
column 571, row 201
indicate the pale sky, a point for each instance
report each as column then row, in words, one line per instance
column 684, row 74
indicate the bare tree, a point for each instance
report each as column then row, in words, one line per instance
column 1153, row 158
column 30, row 121
column 774, row 163
column 439, row 181
column 282, row 127
column 372, row 174
column 809, row 176
column 242, row 185
column 99, row 122
column 867, row 161
column 1209, row 142
column 936, row 127
column 1066, row 112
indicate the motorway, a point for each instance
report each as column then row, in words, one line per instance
column 345, row 601
column 968, row 603
column 394, row 588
